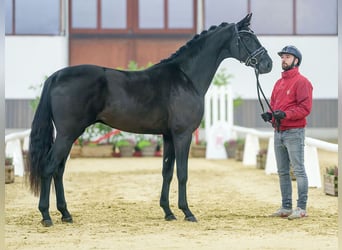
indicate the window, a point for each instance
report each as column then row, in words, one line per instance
column 151, row 14
column 132, row 16
column 277, row 21
column 316, row 17
column 218, row 11
column 36, row 17
column 113, row 14
column 84, row 14
column 9, row 17
column 276, row 17
column 181, row 14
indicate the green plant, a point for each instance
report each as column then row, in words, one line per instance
column 133, row 65
column 37, row 88
column 332, row 170
column 239, row 142
column 8, row 160
column 94, row 132
column 222, row 78
column 146, row 140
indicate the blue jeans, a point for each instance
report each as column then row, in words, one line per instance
column 289, row 149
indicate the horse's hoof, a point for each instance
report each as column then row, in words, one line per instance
column 47, row 223
column 190, row 218
column 67, row 219
column 170, row 217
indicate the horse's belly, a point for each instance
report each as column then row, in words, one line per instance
column 136, row 122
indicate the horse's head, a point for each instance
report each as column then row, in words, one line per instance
column 248, row 49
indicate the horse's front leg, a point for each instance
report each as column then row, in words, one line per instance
column 168, row 166
column 182, row 146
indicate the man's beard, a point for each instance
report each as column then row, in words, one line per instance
column 286, row 66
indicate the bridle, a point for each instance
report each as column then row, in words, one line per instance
column 252, row 61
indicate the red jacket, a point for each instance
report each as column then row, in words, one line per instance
column 292, row 93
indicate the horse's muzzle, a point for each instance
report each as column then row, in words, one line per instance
column 265, row 64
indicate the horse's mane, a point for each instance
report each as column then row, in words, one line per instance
column 194, row 40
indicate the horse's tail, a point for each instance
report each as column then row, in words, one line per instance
column 41, row 139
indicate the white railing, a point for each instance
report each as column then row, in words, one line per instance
column 311, row 159
column 15, row 143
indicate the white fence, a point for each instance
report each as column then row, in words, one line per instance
column 311, row 159
column 15, row 144
column 219, row 127
column 218, row 118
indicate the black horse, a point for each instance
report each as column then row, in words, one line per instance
column 166, row 99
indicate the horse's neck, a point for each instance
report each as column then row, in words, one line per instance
column 202, row 66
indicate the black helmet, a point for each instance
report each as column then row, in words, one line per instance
column 292, row 50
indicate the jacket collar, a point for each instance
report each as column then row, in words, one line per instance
column 290, row 73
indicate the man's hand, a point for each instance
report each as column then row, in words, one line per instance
column 278, row 114
column 266, row 116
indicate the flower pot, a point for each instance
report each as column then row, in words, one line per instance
column 126, row 151
column 148, row 150
column 330, row 184
column 97, row 151
column 9, row 174
column 261, row 161
column 198, row 151
column 75, row 151
column 230, row 150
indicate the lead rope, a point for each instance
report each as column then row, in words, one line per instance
column 259, row 89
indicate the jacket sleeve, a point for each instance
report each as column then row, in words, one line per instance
column 303, row 105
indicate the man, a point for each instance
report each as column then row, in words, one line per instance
column 291, row 103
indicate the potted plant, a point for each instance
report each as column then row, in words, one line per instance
column 95, row 142
column 198, row 149
column 261, row 158
column 146, row 146
column 230, row 146
column 124, row 145
column 240, row 144
column 331, row 181
column 9, row 170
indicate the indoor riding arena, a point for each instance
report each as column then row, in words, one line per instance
column 115, row 205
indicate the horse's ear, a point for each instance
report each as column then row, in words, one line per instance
column 245, row 22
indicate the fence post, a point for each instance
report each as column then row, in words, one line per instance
column 312, row 168
column 271, row 165
column 251, row 149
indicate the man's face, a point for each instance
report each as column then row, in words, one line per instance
column 287, row 60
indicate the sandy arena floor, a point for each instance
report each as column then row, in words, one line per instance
column 115, row 205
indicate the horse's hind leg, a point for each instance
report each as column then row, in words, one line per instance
column 168, row 166
column 58, row 155
column 62, row 147
column 44, row 200
column 59, row 188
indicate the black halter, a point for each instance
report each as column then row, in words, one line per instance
column 252, row 59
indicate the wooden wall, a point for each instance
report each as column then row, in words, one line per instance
column 118, row 52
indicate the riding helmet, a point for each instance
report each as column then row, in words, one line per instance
column 292, row 50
